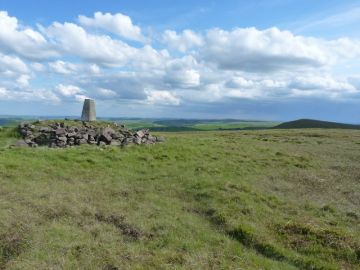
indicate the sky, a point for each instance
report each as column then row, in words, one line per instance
column 264, row 60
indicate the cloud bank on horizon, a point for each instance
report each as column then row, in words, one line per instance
column 211, row 72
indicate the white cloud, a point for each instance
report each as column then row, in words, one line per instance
column 28, row 95
column 161, row 97
column 253, row 50
column 21, row 40
column 12, row 64
column 106, row 92
column 239, row 82
column 23, row 80
column 68, row 90
column 74, row 40
column 94, row 68
column 3, row 93
column 62, row 67
column 118, row 24
column 183, row 41
column 38, row 67
column 321, row 84
column 182, row 73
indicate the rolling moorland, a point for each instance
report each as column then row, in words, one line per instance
column 222, row 199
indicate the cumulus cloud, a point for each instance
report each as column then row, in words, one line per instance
column 107, row 93
column 28, row 95
column 38, row 67
column 62, row 67
column 10, row 65
column 161, row 97
column 253, row 50
column 182, row 73
column 118, row 24
column 74, row 40
column 21, row 40
column 94, row 68
column 23, row 80
column 183, row 41
column 68, row 90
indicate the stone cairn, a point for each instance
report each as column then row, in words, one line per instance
column 60, row 135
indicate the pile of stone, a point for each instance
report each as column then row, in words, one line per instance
column 61, row 135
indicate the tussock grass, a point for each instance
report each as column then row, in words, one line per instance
column 276, row 199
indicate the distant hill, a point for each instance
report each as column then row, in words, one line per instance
column 310, row 123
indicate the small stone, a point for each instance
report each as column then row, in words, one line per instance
column 28, row 141
column 102, row 143
column 160, row 139
column 127, row 141
column 115, row 143
column 151, row 138
column 21, row 143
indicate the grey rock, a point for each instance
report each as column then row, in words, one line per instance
column 81, row 141
column 62, row 139
column 45, row 129
column 118, row 136
column 140, row 133
column 105, row 137
column 92, row 132
column 60, row 135
column 61, row 143
column 71, row 134
column 85, row 136
column 60, row 131
column 137, row 140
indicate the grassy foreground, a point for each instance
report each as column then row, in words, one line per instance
column 276, row 199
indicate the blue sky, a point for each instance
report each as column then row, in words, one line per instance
column 272, row 60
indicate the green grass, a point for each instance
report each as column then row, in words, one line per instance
column 275, row 199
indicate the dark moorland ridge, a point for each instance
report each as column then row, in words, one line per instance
column 310, row 123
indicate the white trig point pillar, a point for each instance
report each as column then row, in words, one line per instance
column 88, row 112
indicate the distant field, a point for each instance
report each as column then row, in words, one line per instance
column 176, row 124
column 263, row 199
column 197, row 125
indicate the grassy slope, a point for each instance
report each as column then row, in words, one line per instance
column 215, row 200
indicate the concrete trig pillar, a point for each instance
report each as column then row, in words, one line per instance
column 88, row 112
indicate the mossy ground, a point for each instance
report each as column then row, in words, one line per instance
column 279, row 199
